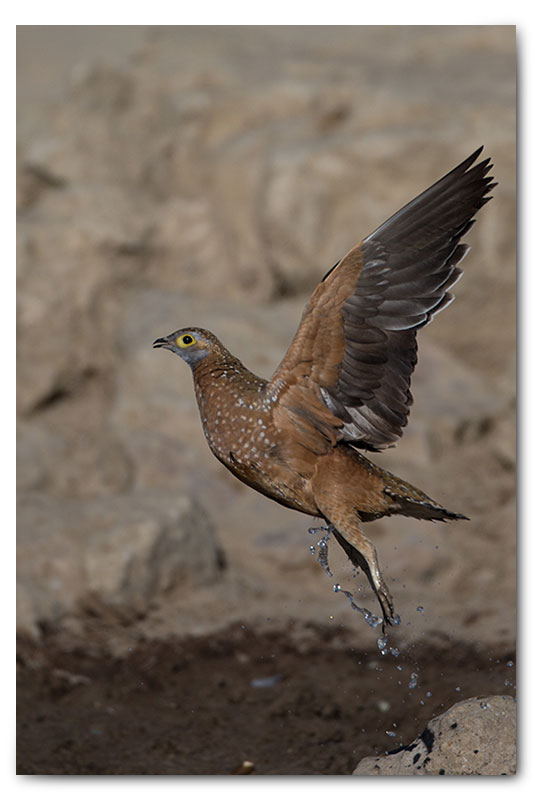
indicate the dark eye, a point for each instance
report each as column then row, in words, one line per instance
column 187, row 339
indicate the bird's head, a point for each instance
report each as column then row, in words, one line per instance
column 191, row 344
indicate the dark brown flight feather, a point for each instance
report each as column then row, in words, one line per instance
column 386, row 288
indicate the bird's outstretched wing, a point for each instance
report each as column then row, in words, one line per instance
column 348, row 370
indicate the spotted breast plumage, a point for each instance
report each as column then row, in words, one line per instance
column 344, row 383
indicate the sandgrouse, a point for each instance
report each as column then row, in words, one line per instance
column 343, row 385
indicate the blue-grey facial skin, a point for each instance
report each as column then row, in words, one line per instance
column 191, row 354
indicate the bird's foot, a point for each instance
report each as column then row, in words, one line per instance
column 387, row 605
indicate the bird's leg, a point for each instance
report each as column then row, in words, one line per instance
column 362, row 553
column 337, row 500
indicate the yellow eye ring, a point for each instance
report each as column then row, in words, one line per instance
column 185, row 340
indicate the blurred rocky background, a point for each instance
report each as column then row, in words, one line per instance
column 210, row 176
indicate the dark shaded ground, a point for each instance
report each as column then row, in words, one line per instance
column 190, row 707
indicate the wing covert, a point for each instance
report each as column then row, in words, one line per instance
column 356, row 345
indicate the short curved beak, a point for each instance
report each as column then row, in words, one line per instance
column 162, row 343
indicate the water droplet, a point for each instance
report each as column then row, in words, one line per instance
column 413, row 683
column 420, row 609
column 382, row 645
column 457, row 688
column 312, row 549
column 390, row 733
column 484, row 706
column 265, row 683
column 429, row 694
column 372, row 619
column 394, row 651
column 510, row 664
column 399, row 667
column 336, row 587
column 314, row 531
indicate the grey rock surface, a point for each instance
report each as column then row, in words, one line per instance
column 474, row 737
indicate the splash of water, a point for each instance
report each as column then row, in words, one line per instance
column 371, row 619
column 322, row 546
column 322, row 557
column 315, row 531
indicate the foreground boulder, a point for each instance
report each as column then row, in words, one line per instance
column 475, row 737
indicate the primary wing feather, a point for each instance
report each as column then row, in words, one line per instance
column 356, row 345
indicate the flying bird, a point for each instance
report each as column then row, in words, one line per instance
column 344, row 383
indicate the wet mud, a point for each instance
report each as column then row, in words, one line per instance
column 300, row 701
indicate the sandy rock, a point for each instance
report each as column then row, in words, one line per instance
column 128, row 550
column 474, row 737
column 67, row 298
column 71, row 463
